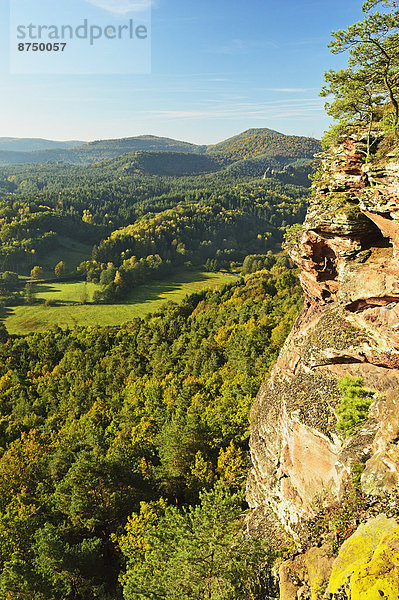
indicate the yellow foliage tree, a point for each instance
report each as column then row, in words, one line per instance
column 37, row 273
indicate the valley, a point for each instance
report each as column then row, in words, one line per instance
column 68, row 305
column 143, row 298
column 132, row 231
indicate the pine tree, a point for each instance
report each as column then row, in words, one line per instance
column 371, row 81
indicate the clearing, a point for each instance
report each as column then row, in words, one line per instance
column 146, row 298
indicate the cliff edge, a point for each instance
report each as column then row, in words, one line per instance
column 306, row 471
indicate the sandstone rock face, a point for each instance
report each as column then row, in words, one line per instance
column 348, row 253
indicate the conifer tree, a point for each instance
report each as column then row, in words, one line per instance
column 370, row 85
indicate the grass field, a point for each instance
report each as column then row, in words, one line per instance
column 21, row 320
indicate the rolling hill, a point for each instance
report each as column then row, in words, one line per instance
column 142, row 142
column 266, row 142
column 99, row 150
column 10, row 144
column 175, row 164
column 252, row 143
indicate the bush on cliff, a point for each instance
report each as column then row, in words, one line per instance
column 354, row 406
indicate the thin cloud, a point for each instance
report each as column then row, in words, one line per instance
column 238, row 46
column 122, row 7
column 290, row 90
column 302, row 109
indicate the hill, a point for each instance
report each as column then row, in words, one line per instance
column 99, row 150
column 267, row 142
column 175, row 164
column 249, row 144
column 141, row 142
column 11, row 157
column 11, row 144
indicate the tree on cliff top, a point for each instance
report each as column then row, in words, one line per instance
column 370, row 84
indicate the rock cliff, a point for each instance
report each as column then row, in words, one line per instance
column 305, row 472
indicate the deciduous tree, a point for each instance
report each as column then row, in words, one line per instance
column 37, row 273
column 60, row 269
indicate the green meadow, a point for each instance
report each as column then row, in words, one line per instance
column 69, row 311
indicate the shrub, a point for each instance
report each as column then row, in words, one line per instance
column 50, row 302
column 354, row 406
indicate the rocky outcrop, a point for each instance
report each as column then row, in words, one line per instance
column 348, row 254
column 366, row 567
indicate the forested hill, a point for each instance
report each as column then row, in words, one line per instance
column 144, row 142
column 162, row 163
column 249, row 144
column 100, row 150
column 255, row 142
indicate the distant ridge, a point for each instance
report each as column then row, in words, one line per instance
column 150, row 143
column 249, row 144
column 32, row 144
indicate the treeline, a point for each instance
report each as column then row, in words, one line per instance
column 116, row 283
column 104, row 430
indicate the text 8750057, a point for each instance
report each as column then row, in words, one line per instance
column 42, row 47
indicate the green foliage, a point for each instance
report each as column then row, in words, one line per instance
column 257, row 262
column 30, row 296
column 60, row 269
column 96, row 420
column 354, row 406
column 37, row 273
column 265, row 142
column 356, row 97
column 55, row 216
column 198, row 553
column 292, row 231
column 370, row 85
column 331, row 136
column 174, row 164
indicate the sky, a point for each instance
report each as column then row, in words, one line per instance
column 218, row 67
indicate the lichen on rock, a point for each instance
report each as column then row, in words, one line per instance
column 358, row 551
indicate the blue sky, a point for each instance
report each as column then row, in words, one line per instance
column 218, row 67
